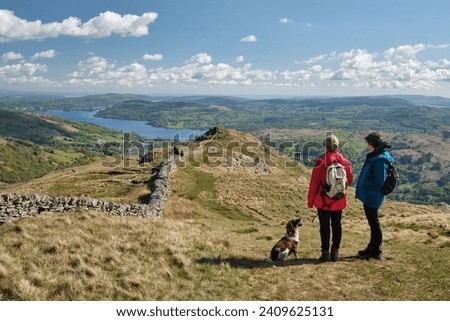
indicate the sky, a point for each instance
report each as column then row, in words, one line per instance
column 226, row 47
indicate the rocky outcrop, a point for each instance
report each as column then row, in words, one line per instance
column 15, row 206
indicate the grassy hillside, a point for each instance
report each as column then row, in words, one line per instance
column 42, row 102
column 31, row 128
column 31, row 145
column 225, row 211
column 174, row 114
column 21, row 161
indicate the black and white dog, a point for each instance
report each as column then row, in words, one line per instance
column 288, row 243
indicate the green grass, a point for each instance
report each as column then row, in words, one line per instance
column 196, row 183
column 92, row 188
column 65, row 156
column 199, row 186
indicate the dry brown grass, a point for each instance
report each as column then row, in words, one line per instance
column 213, row 244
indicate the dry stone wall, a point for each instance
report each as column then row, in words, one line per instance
column 15, row 206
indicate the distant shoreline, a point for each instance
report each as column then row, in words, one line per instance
column 140, row 127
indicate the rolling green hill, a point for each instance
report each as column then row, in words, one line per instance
column 31, row 145
column 30, row 127
column 179, row 114
column 350, row 114
column 48, row 102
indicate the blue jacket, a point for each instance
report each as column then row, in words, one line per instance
column 372, row 176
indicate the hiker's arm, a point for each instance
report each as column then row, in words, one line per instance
column 314, row 186
column 380, row 171
column 348, row 170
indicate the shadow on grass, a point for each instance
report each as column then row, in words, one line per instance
column 249, row 263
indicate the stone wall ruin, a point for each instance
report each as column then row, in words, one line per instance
column 14, row 206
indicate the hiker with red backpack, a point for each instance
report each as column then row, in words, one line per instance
column 331, row 175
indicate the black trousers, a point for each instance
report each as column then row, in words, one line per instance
column 376, row 234
column 327, row 218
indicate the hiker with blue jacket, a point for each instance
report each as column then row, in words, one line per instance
column 368, row 191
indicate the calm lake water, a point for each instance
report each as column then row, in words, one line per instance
column 142, row 128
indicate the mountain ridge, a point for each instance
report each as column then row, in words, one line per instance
column 37, row 100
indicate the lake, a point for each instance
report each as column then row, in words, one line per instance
column 141, row 128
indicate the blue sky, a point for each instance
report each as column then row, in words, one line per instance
column 232, row 47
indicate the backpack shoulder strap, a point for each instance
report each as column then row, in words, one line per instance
column 372, row 164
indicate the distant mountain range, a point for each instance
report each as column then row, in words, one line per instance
column 432, row 101
column 44, row 100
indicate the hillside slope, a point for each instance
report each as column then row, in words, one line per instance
column 33, row 145
column 230, row 199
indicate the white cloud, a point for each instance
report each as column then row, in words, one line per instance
column 153, row 57
column 321, row 58
column 358, row 69
column 227, row 75
column 44, row 54
column 11, row 55
column 22, row 69
column 285, row 21
column 24, row 73
column 304, row 74
column 201, row 58
column 104, row 25
column 404, row 52
column 97, row 71
column 92, row 67
column 359, row 59
column 396, row 68
column 198, row 70
column 250, row 38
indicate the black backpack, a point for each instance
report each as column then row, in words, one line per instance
column 391, row 180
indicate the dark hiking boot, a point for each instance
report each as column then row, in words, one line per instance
column 375, row 255
column 364, row 252
column 325, row 256
column 334, row 254
column 367, row 254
